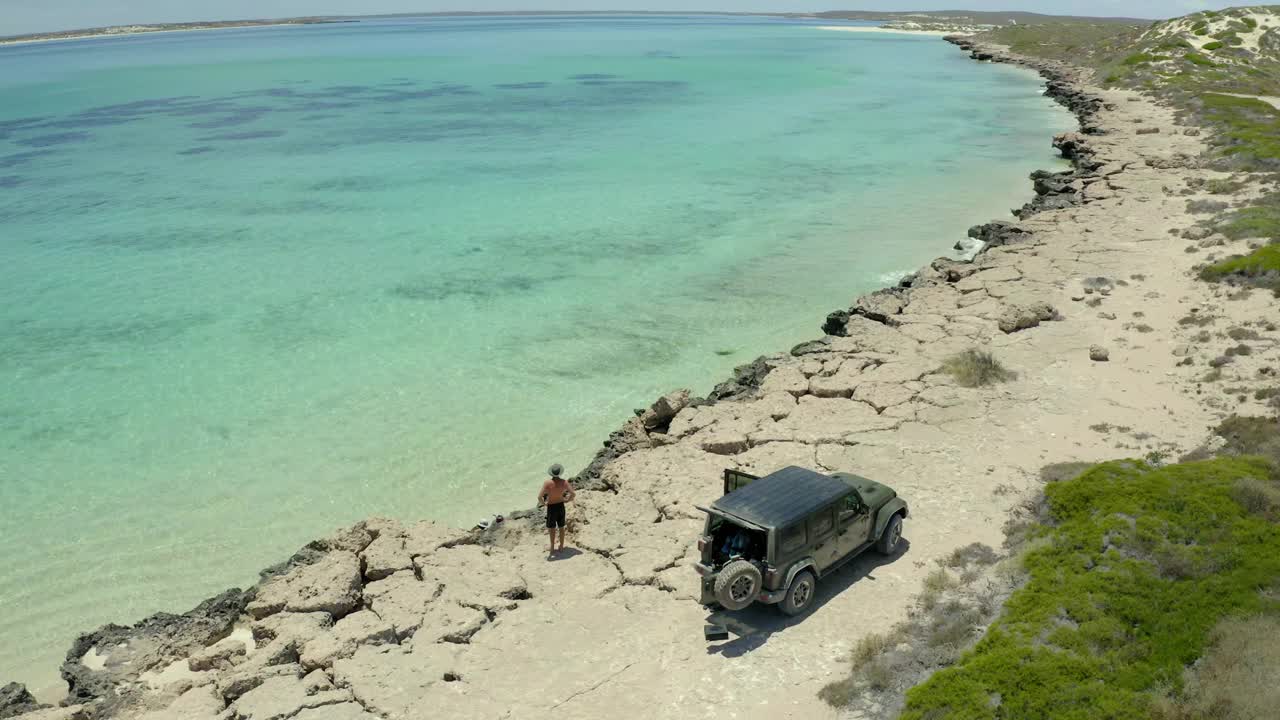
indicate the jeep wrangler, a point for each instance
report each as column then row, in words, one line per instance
column 770, row 539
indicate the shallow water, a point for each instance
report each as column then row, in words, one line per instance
column 256, row 284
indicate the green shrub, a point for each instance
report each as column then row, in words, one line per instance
column 1244, row 435
column 1265, row 259
column 1140, row 566
column 1057, row 472
column 1215, row 45
column 1235, row 680
column 1221, row 186
column 1257, row 221
column 1198, row 59
column 974, row 368
column 1201, row 31
column 841, row 692
column 1250, row 23
column 1251, row 128
column 870, row 647
column 1259, row 497
column 1137, row 59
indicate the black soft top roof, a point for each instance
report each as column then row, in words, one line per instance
column 781, row 498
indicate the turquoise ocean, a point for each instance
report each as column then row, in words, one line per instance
column 256, row 284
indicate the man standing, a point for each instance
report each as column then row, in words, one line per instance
column 556, row 491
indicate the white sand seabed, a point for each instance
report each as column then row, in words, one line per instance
column 895, row 31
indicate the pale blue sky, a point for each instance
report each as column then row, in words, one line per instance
column 23, row 16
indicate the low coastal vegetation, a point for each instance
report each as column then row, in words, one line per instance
column 1226, row 684
column 1128, row 589
column 1127, row 574
column 1250, row 129
column 974, row 368
column 1261, row 267
column 961, row 595
column 1219, row 68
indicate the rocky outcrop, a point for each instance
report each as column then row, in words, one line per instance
column 745, row 381
column 15, row 700
column 331, row 585
column 1070, row 144
column 636, row 433
column 998, row 233
column 659, row 415
column 1056, row 191
column 1021, row 317
column 113, row 656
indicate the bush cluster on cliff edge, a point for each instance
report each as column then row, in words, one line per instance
column 974, row 368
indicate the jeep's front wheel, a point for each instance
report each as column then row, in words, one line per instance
column 738, row 584
column 889, row 538
column 800, row 595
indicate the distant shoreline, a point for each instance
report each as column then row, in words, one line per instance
column 127, row 30
column 886, row 29
column 900, row 21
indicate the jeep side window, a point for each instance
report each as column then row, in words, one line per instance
column 850, row 508
column 793, row 537
column 820, row 524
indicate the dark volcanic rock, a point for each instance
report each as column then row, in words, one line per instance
column 746, row 380
column 815, row 346
column 1070, row 144
column 834, row 324
column 998, row 232
column 1047, row 202
column 156, row 641
column 1047, row 183
column 879, row 306
column 15, row 700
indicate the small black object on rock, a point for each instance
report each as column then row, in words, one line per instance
column 716, row 632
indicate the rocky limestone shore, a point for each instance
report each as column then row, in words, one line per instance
column 391, row 620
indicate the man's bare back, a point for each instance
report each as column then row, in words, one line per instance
column 555, row 492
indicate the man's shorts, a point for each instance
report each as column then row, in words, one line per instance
column 555, row 515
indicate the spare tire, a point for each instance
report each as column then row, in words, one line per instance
column 738, row 584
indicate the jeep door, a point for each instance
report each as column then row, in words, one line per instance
column 853, row 523
column 822, row 538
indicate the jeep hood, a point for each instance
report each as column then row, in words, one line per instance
column 873, row 493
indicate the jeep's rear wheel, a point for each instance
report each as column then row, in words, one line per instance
column 800, row 595
column 738, row 584
column 889, row 538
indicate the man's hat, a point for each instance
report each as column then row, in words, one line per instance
column 555, row 470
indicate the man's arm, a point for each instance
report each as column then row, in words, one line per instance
column 542, row 495
column 569, row 493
